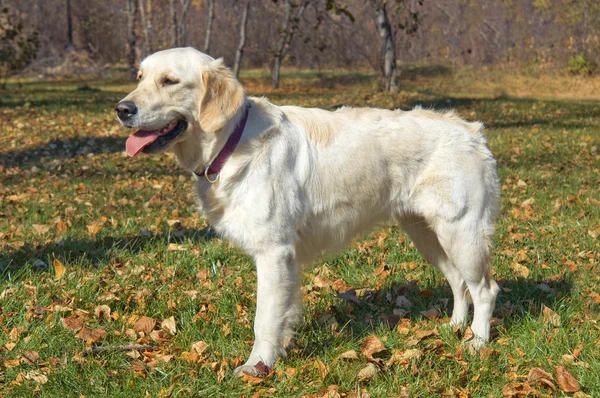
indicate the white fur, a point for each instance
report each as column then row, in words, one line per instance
column 303, row 182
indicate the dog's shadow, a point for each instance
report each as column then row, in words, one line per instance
column 517, row 300
column 93, row 252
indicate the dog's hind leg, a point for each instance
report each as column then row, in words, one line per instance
column 278, row 307
column 426, row 241
column 467, row 245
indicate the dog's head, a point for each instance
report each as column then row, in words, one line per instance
column 182, row 94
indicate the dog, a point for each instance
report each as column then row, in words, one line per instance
column 287, row 184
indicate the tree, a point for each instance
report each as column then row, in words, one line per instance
column 388, row 50
column 131, row 12
column 291, row 20
column 209, row 23
column 70, row 45
column 146, row 20
column 18, row 45
column 242, row 43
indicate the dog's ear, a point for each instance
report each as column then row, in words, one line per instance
column 221, row 97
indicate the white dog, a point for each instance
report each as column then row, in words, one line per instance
column 287, row 184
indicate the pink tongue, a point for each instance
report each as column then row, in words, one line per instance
column 138, row 141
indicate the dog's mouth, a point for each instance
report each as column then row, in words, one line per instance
column 153, row 141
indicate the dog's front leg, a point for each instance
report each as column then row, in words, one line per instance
column 278, row 307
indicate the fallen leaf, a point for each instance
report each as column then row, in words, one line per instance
column 144, row 324
column 349, row 355
column 91, row 336
column 199, row 347
column 432, row 313
column 541, row 377
column 169, row 325
column 367, row 373
column 73, row 324
column 550, row 317
column 251, row 379
column 565, row 379
column 102, row 312
column 372, row 345
column 59, row 269
column 322, row 368
column 37, row 376
column 40, row 229
column 404, row 357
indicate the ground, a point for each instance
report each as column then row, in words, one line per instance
column 98, row 250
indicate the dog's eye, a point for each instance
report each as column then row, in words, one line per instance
column 169, row 82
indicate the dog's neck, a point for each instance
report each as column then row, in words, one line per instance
column 200, row 151
column 215, row 166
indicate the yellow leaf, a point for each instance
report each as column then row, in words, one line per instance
column 59, row 269
column 323, row 369
column 199, row 347
column 550, row 317
column 367, row 373
column 169, row 325
column 349, row 355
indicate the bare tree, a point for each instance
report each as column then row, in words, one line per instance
column 181, row 32
column 131, row 11
column 70, row 45
column 173, row 18
column 291, row 20
column 388, row 51
column 239, row 53
column 209, row 23
column 146, row 19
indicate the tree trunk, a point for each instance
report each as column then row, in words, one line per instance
column 209, row 23
column 286, row 32
column 146, row 19
column 242, row 43
column 131, row 8
column 388, row 52
column 174, row 35
column 70, row 45
column 185, row 4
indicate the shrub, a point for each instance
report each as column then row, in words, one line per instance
column 582, row 65
column 18, row 45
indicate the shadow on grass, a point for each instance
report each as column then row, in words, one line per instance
column 92, row 252
column 517, row 300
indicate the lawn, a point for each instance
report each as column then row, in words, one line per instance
column 102, row 252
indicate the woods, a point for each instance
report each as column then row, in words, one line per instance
column 543, row 34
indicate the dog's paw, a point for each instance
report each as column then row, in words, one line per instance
column 258, row 370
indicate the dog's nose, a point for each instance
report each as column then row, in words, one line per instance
column 125, row 110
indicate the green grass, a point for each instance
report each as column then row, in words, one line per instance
column 126, row 231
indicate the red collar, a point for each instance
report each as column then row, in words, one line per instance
column 232, row 142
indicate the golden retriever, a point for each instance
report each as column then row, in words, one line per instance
column 287, row 184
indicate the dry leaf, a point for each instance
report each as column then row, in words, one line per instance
column 73, row 324
column 102, row 312
column 91, row 336
column 323, row 369
column 144, row 324
column 93, row 228
column 372, row 345
column 550, row 317
column 349, row 355
column 251, row 379
column 404, row 357
column 565, row 379
column 40, row 229
column 199, row 347
column 37, row 376
column 541, row 377
column 367, row 373
column 169, row 325
column 431, row 314
column 59, row 269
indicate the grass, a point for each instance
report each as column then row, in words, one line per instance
column 126, row 232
